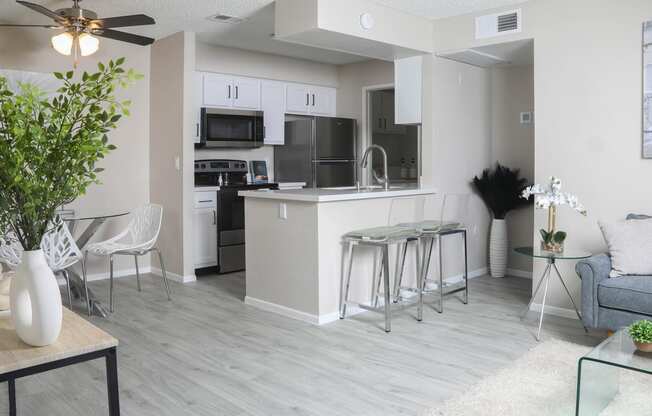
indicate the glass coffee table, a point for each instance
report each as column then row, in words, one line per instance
column 598, row 375
column 551, row 259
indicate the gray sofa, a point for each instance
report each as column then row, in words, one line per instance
column 611, row 303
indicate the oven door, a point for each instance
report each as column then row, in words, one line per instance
column 236, row 129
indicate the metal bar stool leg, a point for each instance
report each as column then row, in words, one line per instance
column 67, row 277
column 441, row 275
column 388, row 309
column 346, row 282
column 137, row 273
column 420, row 280
column 400, row 267
column 379, row 276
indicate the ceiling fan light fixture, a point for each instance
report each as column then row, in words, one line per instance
column 62, row 43
column 88, row 44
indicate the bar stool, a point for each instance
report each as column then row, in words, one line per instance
column 380, row 239
column 451, row 210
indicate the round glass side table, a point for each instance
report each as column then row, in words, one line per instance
column 551, row 259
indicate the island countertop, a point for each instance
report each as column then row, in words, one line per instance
column 336, row 194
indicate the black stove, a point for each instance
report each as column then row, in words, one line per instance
column 230, row 207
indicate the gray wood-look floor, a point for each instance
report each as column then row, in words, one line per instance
column 206, row 353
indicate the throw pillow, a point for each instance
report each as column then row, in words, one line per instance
column 638, row 217
column 630, row 247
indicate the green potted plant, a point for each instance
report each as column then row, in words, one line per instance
column 500, row 189
column 641, row 333
column 49, row 148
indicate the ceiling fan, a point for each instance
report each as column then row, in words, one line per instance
column 80, row 26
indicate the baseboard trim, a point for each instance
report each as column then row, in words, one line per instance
column 118, row 274
column 519, row 273
column 555, row 311
column 189, row 278
column 282, row 310
column 333, row 316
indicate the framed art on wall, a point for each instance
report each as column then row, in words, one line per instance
column 647, row 90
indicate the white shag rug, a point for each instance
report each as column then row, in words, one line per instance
column 544, row 382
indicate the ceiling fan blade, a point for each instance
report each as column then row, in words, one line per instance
column 45, row 26
column 123, row 21
column 123, row 36
column 40, row 9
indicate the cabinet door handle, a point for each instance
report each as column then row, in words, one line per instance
column 197, row 128
column 214, row 217
column 313, row 100
column 236, row 92
column 307, row 99
column 206, row 200
column 229, row 91
column 380, row 123
column 264, row 132
column 385, row 124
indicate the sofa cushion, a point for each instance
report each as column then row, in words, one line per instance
column 639, row 217
column 630, row 246
column 627, row 293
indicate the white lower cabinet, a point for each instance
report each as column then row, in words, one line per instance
column 205, row 229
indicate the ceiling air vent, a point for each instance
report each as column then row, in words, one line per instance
column 498, row 24
column 226, row 18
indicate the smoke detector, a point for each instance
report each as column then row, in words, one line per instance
column 226, row 18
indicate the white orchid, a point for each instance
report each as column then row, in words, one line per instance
column 552, row 195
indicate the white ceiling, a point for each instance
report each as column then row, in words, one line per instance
column 253, row 34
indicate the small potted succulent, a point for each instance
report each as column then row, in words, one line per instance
column 641, row 334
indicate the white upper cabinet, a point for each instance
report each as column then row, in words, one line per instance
column 309, row 99
column 298, row 99
column 246, row 93
column 323, row 101
column 273, row 106
column 228, row 91
column 196, row 106
column 408, row 75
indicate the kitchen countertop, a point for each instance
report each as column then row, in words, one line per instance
column 336, row 194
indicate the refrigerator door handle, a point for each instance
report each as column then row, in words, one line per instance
column 334, row 161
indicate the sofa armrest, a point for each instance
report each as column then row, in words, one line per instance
column 592, row 271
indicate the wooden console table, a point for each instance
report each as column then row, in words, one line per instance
column 79, row 341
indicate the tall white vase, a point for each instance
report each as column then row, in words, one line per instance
column 35, row 301
column 498, row 248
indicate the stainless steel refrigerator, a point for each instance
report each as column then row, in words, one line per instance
column 320, row 151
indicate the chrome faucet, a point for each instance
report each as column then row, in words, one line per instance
column 363, row 164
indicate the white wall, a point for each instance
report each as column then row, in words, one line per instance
column 588, row 84
column 512, row 92
column 125, row 182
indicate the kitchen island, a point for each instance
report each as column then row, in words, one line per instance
column 294, row 247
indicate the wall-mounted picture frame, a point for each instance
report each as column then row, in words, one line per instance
column 647, row 90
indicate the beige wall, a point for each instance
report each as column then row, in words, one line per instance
column 125, row 182
column 588, row 83
column 353, row 78
column 167, row 132
column 512, row 92
column 261, row 65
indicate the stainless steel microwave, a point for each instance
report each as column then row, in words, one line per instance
column 231, row 128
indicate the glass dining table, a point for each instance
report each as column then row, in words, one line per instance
column 93, row 223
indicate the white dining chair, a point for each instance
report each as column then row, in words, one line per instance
column 10, row 250
column 138, row 239
column 61, row 252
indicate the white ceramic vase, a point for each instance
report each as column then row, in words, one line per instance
column 498, row 248
column 35, row 301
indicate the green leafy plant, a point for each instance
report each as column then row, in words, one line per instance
column 49, row 146
column 641, row 331
column 553, row 237
column 500, row 189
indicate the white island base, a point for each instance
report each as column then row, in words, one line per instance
column 294, row 248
